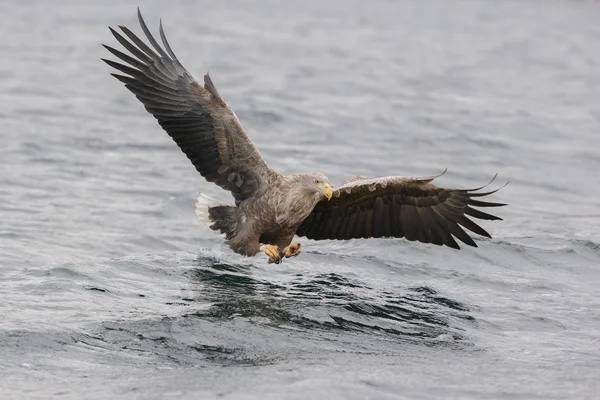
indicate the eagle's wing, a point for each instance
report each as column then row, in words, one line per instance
column 194, row 115
column 398, row 207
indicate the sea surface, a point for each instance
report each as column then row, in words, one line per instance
column 111, row 289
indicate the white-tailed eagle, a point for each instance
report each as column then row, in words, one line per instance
column 270, row 208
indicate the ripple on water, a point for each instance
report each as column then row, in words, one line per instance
column 236, row 317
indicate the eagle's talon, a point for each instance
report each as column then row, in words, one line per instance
column 293, row 250
column 275, row 254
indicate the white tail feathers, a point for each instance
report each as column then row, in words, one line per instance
column 203, row 202
column 218, row 217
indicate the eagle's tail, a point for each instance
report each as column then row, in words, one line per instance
column 218, row 217
column 203, row 203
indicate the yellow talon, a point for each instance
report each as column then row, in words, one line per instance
column 292, row 250
column 273, row 252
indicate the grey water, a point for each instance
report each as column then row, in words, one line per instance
column 111, row 288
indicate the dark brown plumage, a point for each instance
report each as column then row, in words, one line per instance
column 398, row 207
column 195, row 116
column 271, row 208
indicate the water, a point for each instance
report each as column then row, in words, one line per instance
column 112, row 289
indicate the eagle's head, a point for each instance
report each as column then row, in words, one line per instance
column 318, row 183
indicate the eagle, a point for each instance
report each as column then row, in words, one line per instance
column 270, row 208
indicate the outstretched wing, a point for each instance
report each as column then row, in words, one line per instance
column 194, row 115
column 398, row 207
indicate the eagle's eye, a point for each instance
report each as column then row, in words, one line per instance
column 317, row 181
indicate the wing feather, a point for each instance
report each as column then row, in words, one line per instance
column 195, row 116
column 413, row 208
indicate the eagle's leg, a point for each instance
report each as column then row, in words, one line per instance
column 292, row 250
column 274, row 253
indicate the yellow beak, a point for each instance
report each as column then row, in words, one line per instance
column 326, row 189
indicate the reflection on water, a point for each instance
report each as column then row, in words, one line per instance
column 418, row 313
column 237, row 318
